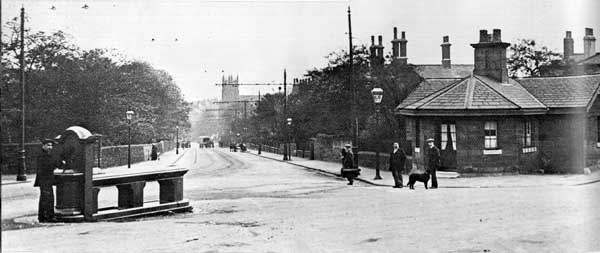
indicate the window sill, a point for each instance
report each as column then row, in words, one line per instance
column 492, row 151
column 417, row 150
column 529, row 150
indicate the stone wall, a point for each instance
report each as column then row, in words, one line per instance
column 328, row 147
column 111, row 156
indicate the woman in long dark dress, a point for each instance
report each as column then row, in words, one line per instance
column 348, row 170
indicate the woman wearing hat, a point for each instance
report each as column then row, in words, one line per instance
column 348, row 170
column 45, row 179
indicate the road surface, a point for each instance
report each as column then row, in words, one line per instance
column 245, row 203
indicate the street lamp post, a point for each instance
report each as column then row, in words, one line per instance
column 377, row 94
column 289, row 123
column 21, row 174
column 177, row 140
column 129, row 117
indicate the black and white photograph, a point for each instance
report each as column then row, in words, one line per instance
column 221, row 126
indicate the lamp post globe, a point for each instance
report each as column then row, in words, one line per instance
column 129, row 115
column 377, row 94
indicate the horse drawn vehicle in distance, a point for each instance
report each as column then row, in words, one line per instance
column 206, row 142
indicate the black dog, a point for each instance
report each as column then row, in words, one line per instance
column 413, row 178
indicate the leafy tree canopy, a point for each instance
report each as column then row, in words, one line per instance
column 527, row 59
column 67, row 86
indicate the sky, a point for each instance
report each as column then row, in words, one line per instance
column 198, row 42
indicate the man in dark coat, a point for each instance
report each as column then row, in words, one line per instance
column 45, row 179
column 432, row 161
column 397, row 160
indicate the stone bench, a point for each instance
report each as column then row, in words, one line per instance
column 78, row 198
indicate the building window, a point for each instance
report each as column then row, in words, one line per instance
column 417, row 132
column 448, row 134
column 491, row 135
column 527, row 134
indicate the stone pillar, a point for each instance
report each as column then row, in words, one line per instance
column 131, row 195
column 171, row 190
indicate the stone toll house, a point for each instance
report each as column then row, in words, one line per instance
column 483, row 121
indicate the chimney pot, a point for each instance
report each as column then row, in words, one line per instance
column 483, row 36
column 395, row 33
column 497, row 35
column 380, row 38
column 403, row 35
column 445, row 39
column 568, row 35
column 372, row 40
column 589, row 32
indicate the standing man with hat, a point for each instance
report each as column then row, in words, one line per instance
column 45, row 179
column 397, row 160
column 432, row 161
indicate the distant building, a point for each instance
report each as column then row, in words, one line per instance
column 584, row 63
column 487, row 122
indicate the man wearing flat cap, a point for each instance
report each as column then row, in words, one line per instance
column 432, row 161
column 45, row 179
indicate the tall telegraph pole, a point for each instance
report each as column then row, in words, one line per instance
column 350, row 84
column 285, row 148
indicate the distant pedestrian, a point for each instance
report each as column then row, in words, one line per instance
column 397, row 160
column 348, row 169
column 154, row 153
column 45, row 179
column 432, row 161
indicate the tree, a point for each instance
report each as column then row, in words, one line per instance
column 528, row 60
column 325, row 102
column 67, row 86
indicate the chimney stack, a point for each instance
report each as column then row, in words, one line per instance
column 380, row 48
column 403, row 42
column 372, row 48
column 490, row 56
column 446, row 52
column 568, row 49
column 589, row 43
column 395, row 44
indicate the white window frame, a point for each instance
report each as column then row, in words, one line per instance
column 491, row 140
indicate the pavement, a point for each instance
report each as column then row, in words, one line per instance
column 445, row 179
